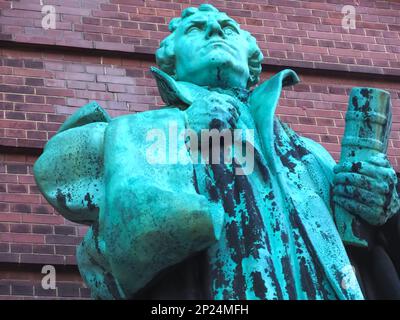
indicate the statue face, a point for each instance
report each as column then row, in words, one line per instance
column 211, row 50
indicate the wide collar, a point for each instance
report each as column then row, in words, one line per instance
column 263, row 102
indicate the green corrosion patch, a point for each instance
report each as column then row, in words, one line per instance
column 88, row 198
column 62, row 198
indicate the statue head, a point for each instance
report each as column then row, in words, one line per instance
column 207, row 47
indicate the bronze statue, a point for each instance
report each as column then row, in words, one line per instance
column 208, row 229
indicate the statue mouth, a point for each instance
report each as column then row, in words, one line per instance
column 220, row 43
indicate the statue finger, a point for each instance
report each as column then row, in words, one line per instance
column 365, row 168
column 372, row 214
column 361, row 181
column 217, row 124
column 235, row 103
column 235, row 113
column 232, row 122
column 359, row 194
column 380, row 160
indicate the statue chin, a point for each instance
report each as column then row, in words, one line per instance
column 225, row 75
column 216, row 68
column 218, row 74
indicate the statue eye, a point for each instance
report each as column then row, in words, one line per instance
column 229, row 30
column 193, row 29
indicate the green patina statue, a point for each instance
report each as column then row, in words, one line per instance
column 209, row 230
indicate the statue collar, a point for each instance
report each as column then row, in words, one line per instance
column 181, row 94
column 262, row 102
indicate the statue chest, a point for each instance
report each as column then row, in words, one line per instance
column 264, row 252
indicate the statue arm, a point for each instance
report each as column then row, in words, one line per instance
column 148, row 230
column 153, row 217
column 327, row 164
column 69, row 173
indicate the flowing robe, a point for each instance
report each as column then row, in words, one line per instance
column 188, row 230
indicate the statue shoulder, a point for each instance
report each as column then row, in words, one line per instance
column 90, row 113
column 69, row 172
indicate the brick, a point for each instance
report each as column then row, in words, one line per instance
column 17, row 168
column 15, row 133
column 64, row 230
column 42, row 259
column 12, row 80
column 115, row 79
column 21, row 238
column 22, row 289
column 20, row 207
column 20, row 228
column 17, row 188
column 4, row 227
column 16, row 89
column 14, row 97
column 34, row 99
column 70, row 260
column 306, row 120
column 39, row 291
column 65, row 250
column 15, row 115
column 4, row 247
column 61, row 239
column 135, row 73
column 41, row 209
column 329, row 139
column 44, row 249
column 96, row 86
column 92, row 36
column 76, row 84
column 34, row 82
column 109, row 23
column 41, row 218
column 55, row 92
column 33, row 73
column 13, row 63
column 30, row 143
column 90, row 20
column 33, row 64
column 9, row 257
column 21, row 248
column 6, row 105
column 85, row 292
column 5, row 289
column 42, row 229
column 39, row 135
column 68, row 289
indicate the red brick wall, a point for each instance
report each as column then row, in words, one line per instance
column 295, row 33
column 102, row 51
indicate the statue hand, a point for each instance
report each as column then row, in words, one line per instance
column 216, row 111
column 367, row 189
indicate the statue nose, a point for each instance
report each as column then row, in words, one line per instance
column 213, row 29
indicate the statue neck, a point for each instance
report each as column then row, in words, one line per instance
column 239, row 93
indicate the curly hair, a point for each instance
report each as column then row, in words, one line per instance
column 165, row 55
